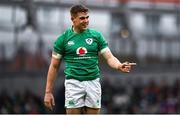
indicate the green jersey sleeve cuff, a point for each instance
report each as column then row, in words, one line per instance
column 104, row 50
column 57, row 56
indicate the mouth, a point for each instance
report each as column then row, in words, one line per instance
column 85, row 25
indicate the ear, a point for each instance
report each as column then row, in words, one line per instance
column 72, row 18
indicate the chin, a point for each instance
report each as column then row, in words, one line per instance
column 84, row 28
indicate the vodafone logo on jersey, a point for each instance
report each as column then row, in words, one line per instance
column 81, row 51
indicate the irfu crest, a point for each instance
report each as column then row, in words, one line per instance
column 89, row 41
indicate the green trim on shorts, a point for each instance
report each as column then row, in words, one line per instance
column 80, row 78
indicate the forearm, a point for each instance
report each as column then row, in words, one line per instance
column 113, row 62
column 52, row 73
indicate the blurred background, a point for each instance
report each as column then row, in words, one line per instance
column 143, row 31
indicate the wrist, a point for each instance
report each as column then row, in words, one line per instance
column 47, row 92
column 119, row 66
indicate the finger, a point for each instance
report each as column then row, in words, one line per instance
column 125, row 70
column 48, row 105
column 131, row 64
column 53, row 102
column 126, row 62
column 51, row 108
column 127, row 66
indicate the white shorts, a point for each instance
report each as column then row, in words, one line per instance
column 82, row 93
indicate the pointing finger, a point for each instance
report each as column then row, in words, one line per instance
column 132, row 64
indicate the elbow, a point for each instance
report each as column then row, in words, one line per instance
column 55, row 66
column 55, row 63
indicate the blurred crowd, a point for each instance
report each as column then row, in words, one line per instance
column 24, row 61
column 152, row 97
column 131, row 97
column 28, row 102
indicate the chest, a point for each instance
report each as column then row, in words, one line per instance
column 81, row 46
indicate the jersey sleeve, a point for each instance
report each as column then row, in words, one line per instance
column 59, row 45
column 103, row 44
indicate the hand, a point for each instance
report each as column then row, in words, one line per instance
column 126, row 66
column 49, row 101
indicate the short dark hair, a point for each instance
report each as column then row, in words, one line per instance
column 75, row 9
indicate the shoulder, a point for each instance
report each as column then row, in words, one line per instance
column 94, row 32
column 67, row 31
column 64, row 34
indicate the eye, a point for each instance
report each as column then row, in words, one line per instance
column 82, row 18
column 87, row 17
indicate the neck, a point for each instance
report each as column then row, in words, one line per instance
column 77, row 30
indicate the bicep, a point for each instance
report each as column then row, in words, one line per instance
column 107, row 54
column 56, row 60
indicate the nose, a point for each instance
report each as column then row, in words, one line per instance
column 86, row 20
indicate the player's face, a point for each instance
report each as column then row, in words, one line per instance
column 81, row 21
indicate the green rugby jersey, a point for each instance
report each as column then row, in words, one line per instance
column 80, row 52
